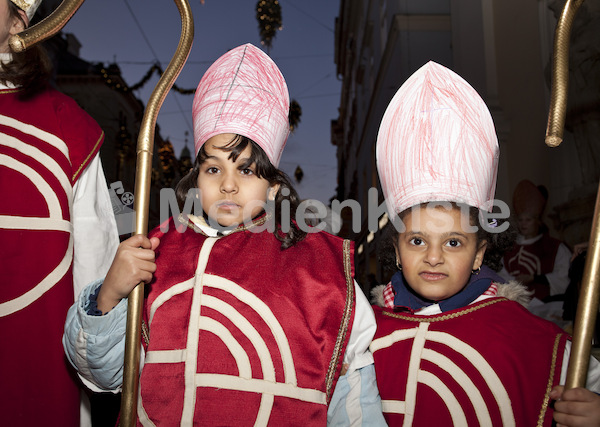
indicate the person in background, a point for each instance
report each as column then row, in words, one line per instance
column 538, row 260
column 454, row 344
column 249, row 318
column 57, row 229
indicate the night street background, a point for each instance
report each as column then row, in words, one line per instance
column 138, row 33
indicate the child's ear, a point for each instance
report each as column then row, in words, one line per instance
column 479, row 255
column 272, row 192
column 19, row 25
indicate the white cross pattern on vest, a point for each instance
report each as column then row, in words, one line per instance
column 267, row 386
column 55, row 220
column 418, row 376
column 529, row 261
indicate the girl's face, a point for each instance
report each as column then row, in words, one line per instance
column 230, row 191
column 529, row 225
column 436, row 254
column 9, row 25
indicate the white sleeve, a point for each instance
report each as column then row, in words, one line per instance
column 356, row 400
column 559, row 277
column 95, row 345
column 95, row 237
column 357, row 353
column 593, row 377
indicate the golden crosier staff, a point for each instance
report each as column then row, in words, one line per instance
column 142, row 200
column 560, row 74
column 587, row 308
column 46, row 29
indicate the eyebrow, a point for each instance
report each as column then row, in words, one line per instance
column 244, row 161
column 444, row 236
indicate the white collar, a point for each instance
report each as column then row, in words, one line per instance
column 5, row 58
column 200, row 222
column 521, row 240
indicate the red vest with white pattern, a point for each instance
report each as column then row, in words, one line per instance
column 45, row 144
column 242, row 332
column 533, row 259
column 491, row 363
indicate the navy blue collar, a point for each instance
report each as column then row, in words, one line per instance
column 406, row 298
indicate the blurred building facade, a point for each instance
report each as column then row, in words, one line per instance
column 503, row 49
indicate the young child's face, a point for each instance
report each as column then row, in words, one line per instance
column 529, row 225
column 231, row 192
column 436, row 253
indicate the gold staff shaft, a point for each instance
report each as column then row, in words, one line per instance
column 142, row 201
column 45, row 29
column 560, row 74
column 587, row 307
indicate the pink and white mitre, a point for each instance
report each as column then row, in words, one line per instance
column 243, row 92
column 437, row 142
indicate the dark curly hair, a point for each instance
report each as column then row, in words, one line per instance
column 264, row 169
column 29, row 70
column 497, row 243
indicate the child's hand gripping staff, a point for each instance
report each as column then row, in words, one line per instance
column 141, row 206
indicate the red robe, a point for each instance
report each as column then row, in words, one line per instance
column 491, row 363
column 533, row 259
column 45, row 144
column 241, row 331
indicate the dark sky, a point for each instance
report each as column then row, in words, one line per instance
column 137, row 33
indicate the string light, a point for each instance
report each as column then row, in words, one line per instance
column 268, row 14
column 155, row 68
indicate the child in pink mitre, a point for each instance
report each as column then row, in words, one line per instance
column 248, row 317
column 454, row 344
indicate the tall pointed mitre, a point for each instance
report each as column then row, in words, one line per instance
column 528, row 199
column 29, row 6
column 437, row 142
column 243, row 92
